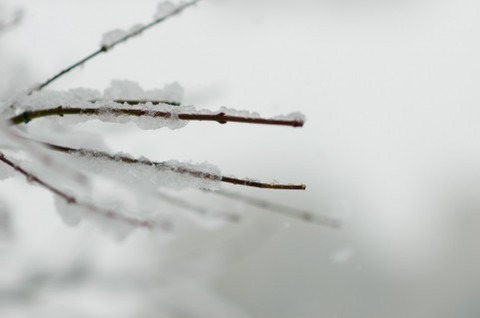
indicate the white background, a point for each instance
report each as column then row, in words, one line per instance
column 390, row 91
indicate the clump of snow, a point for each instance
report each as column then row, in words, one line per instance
column 110, row 38
column 164, row 9
column 149, row 120
column 78, row 97
column 292, row 116
column 125, row 89
column 135, row 28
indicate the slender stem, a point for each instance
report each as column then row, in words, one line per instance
column 303, row 215
column 221, row 117
column 73, row 200
column 104, row 49
column 182, row 170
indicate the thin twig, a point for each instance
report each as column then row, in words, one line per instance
column 104, row 49
column 282, row 209
column 181, row 170
column 221, row 117
column 70, row 199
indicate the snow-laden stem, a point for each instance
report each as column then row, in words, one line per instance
column 220, row 117
column 181, row 170
column 70, row 199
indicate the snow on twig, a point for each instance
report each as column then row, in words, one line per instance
column 177, row 168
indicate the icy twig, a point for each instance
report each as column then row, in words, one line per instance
column 220, row 117
column 282, row 209
column 70, row 199
column 164, row 165
column 106, row 48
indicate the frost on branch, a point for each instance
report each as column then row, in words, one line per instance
column 172, row 174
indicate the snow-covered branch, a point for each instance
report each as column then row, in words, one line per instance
column 110, row 113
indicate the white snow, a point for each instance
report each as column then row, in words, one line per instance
column 111, row 37
column 170, row 173
column 125, row 89
column 292, row 116
column 164, row 8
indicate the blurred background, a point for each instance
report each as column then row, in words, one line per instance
column 390, row 91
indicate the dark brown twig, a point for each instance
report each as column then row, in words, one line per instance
column 221, row 117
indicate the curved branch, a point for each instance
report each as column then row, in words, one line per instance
column 221, row 117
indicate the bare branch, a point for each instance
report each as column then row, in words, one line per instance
column 165, row 165
column 70, row 199
column 282, row 209
column 221, row 117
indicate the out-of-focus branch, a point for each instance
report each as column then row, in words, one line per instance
column 230, row 217
column 303, row 215
column 70, row 199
